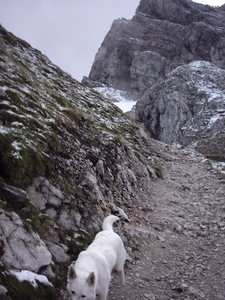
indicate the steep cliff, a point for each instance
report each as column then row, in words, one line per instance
column 162, row 35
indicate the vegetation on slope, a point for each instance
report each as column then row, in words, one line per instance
column 36, row 98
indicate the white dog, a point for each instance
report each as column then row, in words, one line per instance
column 90, row 276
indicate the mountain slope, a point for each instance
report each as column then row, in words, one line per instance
column 68, row 158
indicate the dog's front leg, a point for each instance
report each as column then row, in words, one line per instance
column 102, row 296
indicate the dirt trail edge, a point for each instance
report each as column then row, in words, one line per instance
column 179, row 252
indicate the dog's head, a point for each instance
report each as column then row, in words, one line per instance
column 80, row 288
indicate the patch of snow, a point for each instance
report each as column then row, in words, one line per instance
column 219, row 166
column 125, row 106
column 5, row 102
column 213, row 119
column 17, row 124
column 25, row 275
column 133, row 39
column 4, row 130
column 118, row 97
column 111, row 93
column 17, row 146
column 25, row 89
column 215, row 96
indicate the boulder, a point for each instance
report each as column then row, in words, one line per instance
column 21, row 247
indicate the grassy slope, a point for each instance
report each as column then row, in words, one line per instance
column 36, row 98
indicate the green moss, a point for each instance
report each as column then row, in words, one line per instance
column 52, row 141
column 76, row 245
column 33, row 219
column 19, row 166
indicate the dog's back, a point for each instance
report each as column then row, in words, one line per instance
column 106, row 253
column 109, row 244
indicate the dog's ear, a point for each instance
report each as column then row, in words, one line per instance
column 91, row 279
column 71, row 273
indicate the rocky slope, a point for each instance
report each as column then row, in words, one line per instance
column 187, row 107
column 68, row 158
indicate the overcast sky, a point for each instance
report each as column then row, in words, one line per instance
column 69, row 32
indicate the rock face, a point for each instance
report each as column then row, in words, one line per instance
column 162, row 35
column 153, row 56
column 187, row 107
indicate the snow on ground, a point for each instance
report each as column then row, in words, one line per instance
column 25, row 275
column 125, row 105
column 118, row 97
column 219, row 166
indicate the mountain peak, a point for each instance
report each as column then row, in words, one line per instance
column 162, row 35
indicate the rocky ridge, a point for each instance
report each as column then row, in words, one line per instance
column 162, row 35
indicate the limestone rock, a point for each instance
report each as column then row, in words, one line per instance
column 13, row 194
column 21, row 248
column 187, row 107
column 58, row 253
column 41, row 193
column 161, row 36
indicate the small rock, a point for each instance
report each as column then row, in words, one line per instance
column 181, row 215
column 149, row 296
column 221, row 224
column 177, row 227
column 3, row 290
column 13, row 194
column 196, row 293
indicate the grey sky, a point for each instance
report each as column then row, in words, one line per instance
column 69, row 32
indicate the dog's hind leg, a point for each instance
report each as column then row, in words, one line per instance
column 122, row 277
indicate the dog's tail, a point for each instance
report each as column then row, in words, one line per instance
column 108, row 222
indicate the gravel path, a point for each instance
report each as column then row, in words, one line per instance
column 177, row 245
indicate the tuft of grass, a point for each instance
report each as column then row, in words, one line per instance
column 76, row 245
column 19, row 166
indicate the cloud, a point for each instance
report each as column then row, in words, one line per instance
column 68, row 32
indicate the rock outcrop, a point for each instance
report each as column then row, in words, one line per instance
column 21, row 248
column 171, row 55
column 163, row 35
column 187, row 107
